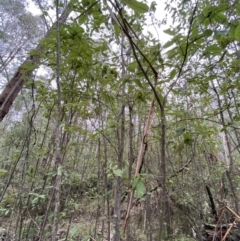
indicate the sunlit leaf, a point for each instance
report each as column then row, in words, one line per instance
column 220, row 17
column 132, row 66
column 237, row 33
column 213, row 49
column 118, row 172
column 138, row 7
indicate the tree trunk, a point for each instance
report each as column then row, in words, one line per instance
column 58, row 152
column 120, row 136
column 32, row 62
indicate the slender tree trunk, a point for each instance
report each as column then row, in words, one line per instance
column 58, row 158
column 228, row 148
column 121, row 135
column 164, row 216
column 131, row 160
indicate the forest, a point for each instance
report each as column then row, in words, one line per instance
column 119, row 120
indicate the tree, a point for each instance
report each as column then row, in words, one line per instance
column 23, row 72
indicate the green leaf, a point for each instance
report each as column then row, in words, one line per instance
column 132, row 66
column 169, row 43
column 180, row 131
column 138, row 82
column 220, row 17
column 116, row 29
column 153, row 6
column 237, row 33
column 208, row 32
column 2, row 172
column 136, row 6
column 173, row 73
column 37, row 195
column 140, row 188
column 188, row 139
column 75, row 230
column 118, row 172
column 238, row 11
column 135, row 182
column 213, row 49
column 169, row 32
column 172, row 53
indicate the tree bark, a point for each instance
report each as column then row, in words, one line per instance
column 58, row 154
column 15, row 85
column 120, row 136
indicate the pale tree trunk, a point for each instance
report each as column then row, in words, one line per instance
column 227, row 149
column 121, row 135
column 58, row 158
column 131, row 158
column 32, row 62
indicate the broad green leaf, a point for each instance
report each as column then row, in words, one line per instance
column 180, row 131
column 232, row 31
column 116, row 29
column 220, row 17
column 172, row 53
column 138, row 82
column 169, row 43
column 213, row 49
column 135, row 182
column 153, row 6
column 224, row 41
column 132, row 66
column 118, row 172
column 82, row 19
column 173, row 73
column 237, row 33
column 208, row 32
column 208, row 11
column 29, row 66
column 75, row 230
column 140, row 188
column 169, row 32
column 138, row 7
